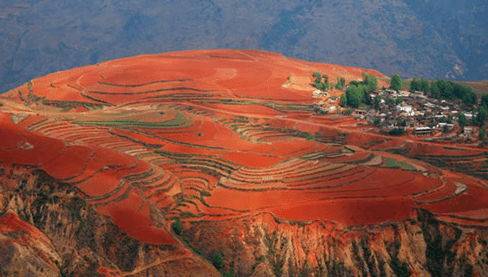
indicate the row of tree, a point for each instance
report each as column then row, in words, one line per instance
column 318, row 83
column 451, row 90
column 358, row 92
column 437, row 89
column 322, row 82
column 444, row 89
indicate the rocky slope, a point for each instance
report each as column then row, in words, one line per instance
column 48, row 229
column 414, row 38
column 420, row 246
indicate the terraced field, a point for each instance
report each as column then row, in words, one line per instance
column 214, row 135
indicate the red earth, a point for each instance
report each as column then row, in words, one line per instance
column 210, row 135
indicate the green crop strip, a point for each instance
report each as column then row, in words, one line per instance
column 179, row 121
column 392, row 163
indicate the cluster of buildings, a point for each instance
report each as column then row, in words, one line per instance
column 416, row 111
column 419, row 114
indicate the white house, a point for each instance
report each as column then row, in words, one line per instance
column 408, row 109
column 404, row 93
column 319, row 94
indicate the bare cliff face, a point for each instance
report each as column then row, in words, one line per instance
column 47, row 229
column 421, row 246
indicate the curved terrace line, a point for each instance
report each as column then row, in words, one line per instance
column 149, row 91
column 144, row 84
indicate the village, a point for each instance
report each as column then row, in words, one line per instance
column 415, row 113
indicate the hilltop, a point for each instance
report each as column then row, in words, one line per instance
column 210, row 162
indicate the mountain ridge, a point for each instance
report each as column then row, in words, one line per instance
column 391, row 36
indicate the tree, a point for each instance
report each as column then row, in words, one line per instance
column 343, row 100
column 440, row 83
column 434, row 90
column 396, row 131
column 376, row 120
column 482, row 133
column 320, row 86
column 482, row 114
column 377, row 101
column 371, row 82
column 462, row 121
column 318, row 81
column 414, row 85
column 326, row 85
column 473, row 117
column 354, row 96
column 469, row 98
column 445, row 129
column 177, row 226
column 484, row 99
column 341, row 83
column 423, row 85
column 326, row 81
column 366, row 96
column 316, row 75
column 326, row 78
column 446, row 89
column 354, row 83
column 401, row 122
column 218, row 261
column 396, row 82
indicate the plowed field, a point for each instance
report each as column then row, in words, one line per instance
column 213, row 135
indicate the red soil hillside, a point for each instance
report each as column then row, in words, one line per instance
column 216, row 136
column 481, row 87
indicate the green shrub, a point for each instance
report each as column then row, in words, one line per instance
column 392, row 163
column 343, row 100
column 218, row 261
column 396, row 82
column 177, row 226
column 397, row 131
column 370, row 81
column 377, row 120
column 355, row 95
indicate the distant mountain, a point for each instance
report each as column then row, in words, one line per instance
column 424, row 38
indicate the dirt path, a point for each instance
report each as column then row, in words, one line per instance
column 157, row 262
